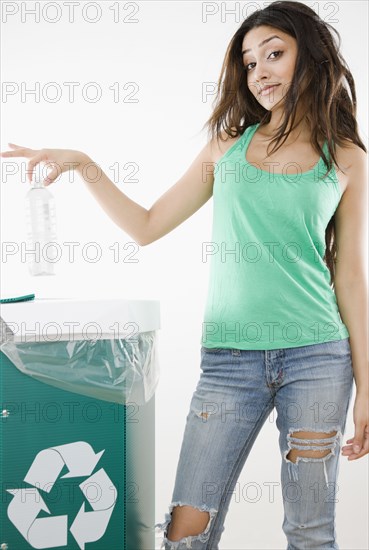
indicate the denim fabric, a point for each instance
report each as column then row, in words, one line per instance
column 311, row 388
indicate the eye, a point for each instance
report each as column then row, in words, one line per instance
column 278, row 52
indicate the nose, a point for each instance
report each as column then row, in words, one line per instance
column 260, row 75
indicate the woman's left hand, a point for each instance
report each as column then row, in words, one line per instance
column 359, row 444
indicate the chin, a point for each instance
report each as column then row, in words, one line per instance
column 267, row 105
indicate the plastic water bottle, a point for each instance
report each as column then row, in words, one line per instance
column 41, row 230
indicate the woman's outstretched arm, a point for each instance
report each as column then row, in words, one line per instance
column 177, row 204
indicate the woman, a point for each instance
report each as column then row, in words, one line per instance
column 285, row 322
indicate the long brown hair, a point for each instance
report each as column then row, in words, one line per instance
column 319, row 81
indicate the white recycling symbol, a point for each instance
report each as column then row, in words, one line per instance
column 50, row 532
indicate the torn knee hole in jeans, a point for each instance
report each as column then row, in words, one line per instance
column 187, row 540
column 307, row 448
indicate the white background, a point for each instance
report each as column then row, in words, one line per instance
column 171, row 53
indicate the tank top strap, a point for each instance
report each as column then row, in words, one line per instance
column 247, row 135
column 325, row 148
column 332, row 172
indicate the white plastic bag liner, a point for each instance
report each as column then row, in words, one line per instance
column 117, row 369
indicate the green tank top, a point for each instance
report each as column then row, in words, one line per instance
column 268, row 283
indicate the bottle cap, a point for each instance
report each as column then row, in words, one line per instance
column 38, row 185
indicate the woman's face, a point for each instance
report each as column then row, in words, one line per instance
column 269, row 61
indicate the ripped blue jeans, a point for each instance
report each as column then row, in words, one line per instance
column 311, row 388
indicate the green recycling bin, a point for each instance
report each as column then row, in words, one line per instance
column 77, row 453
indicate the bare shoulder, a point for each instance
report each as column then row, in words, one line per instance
column 349, row 153
column 353, row 160
column 218, row 147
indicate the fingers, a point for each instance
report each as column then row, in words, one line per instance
column 24, row 152
column 33, row 163
column 355, row 456
column 355, row 447
column 19, row 151
column 17, row 146
column 11, row 154
column 51, row 177
column 36, row 157
column 349, row 450
column 360, row 441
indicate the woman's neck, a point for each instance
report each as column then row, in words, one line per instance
column 301, row 132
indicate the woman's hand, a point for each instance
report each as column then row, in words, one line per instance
column 59, row 160
column 359, row 444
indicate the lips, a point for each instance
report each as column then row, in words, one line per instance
column 267, row 89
